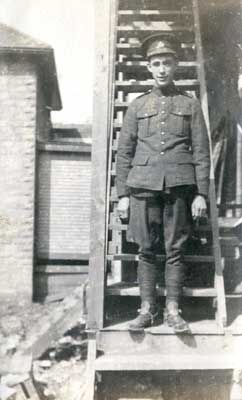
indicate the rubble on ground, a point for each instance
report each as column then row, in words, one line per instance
column 46, row 342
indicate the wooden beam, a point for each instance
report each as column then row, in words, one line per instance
column 188, row 258
column 105, row 23
column 129, row 290
column 151, row 13
column 218, row 280
column 140, row 362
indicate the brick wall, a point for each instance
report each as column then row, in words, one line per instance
column 62, row 218
column 18, row 82
column 63, row 203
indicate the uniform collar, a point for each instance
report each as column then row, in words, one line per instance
column 166, row 91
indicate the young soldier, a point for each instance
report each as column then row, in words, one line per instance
column 163, row 166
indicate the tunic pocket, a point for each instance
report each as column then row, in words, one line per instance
column 147, row 122
column 180, row 119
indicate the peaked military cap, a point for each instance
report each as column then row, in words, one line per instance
column 159, row 44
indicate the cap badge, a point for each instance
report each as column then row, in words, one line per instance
column 160, row 45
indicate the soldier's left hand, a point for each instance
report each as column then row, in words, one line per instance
column 240, row 86
column 199, row 207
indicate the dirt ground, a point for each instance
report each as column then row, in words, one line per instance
column 60, row 372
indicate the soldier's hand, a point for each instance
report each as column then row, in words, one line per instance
column 240, row 86
column 199, row 207
column 123, row 208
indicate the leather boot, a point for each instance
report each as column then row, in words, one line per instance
column 146, row 317
column 147, row 284
column 175, row 321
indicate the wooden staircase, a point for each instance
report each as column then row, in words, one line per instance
column 113, row 291
column 129, row 80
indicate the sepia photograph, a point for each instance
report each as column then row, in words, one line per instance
column 121, row 200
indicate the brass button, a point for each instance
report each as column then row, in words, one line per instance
column 162, row 153
column 162, row 142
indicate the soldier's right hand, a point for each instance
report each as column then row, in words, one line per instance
column 123, row 208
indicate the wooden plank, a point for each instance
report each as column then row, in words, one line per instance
column 137, row 44
column 87, row 391
column 219, row 282
column 134, row 86
column 151, row 26
column 156, row 12
column 105, row 22
column 204, row 328
column 129, row 290
column 135, row 257
column 222, row 170
column 124, row 227
column 229, row 223
column 129, row 65
column 166, row 362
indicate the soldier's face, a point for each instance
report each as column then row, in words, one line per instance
column 162, row 68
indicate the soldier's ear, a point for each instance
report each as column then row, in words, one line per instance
column 148, row 66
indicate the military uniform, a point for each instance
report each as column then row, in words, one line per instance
column 163, row 141
column 162, row 161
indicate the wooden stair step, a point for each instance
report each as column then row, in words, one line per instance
column 197, row 327
column 188, row 258
column 129, row 65
column 121, row 105
column 155, row 361
column 231, row 240
column 140, row 86
column 150, row 26
column 135, row 46
column 230, row 223
column 151, row 13
column 133, row 290
column 199, row 228
column 155, row 4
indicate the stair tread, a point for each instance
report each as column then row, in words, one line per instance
column 154, row 12
column 135, row 257
column 126, row 289
column 154, row 361
column 204, row 326
column 150, row 82
column 128, row 64
column 137, row 44
column 160, row 26
column 199, row 228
